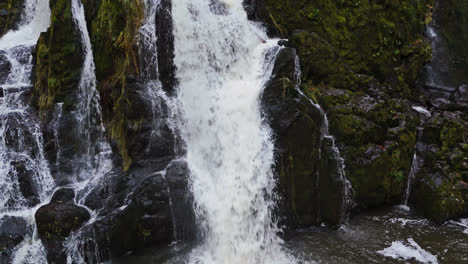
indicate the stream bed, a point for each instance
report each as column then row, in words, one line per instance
column 389, row 235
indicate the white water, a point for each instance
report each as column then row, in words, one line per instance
column 220, row 57
column 35, row 19
column 408, row 251
column 97, row 154
column 20, row 133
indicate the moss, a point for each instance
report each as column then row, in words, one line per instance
column 113, row 35
column 366, row 35
column 58, row 54
column 13, row 10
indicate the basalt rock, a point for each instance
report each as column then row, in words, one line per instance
column 10, row 15
column 156, row 210
column 5, row 67
column 441, row 191
column 297, row 133
column 56, row 220
column 12, row 232
column 165, row 46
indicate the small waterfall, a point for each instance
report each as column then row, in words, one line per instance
column 95, row 163
column 95, row 160
column 221, row 69
column 25, row 180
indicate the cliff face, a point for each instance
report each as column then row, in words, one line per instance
column 364, row 62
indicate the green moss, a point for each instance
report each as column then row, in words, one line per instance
column 364, row 37
column 114, row 34
column 57, row 70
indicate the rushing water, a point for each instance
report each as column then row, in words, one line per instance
column 22, row 158
column 221, row 67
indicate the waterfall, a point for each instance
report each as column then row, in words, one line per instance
column 221, row 69
column 22, row 159
column 96, row 158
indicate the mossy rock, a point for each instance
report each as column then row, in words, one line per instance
column 10, row 15
column 59, row 60
column 441, row 189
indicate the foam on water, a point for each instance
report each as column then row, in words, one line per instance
column 408, row 250
column 221, row 67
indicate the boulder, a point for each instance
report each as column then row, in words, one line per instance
column 56, row 220
column 12, row 231
column 150, row 209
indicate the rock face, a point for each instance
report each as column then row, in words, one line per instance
column 56, row 220
column 157, row 212
column 12, row 231
column 5, row 67
column 10, row 15
column 440, row 191
column 165, row 46
column 297, row 124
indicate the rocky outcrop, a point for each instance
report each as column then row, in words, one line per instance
column 56, row 220
column 165, row 46
column 154, row 209
column 441, row 189
column 5, row 67
column 13, row 230
column 10, row 15
column 297, row 127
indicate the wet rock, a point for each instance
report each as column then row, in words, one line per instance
column 296, row 124
column 12, row 231
column 439, row 192
column 461, row 97
column 152, row 143
column 26, row 181
column 332, row 185
column 10, row 15
column 255, row 9
column 5, row 68
column 165, row 46
column 56, row 220
column 146, row 209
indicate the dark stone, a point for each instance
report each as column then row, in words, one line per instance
column 165, row 46
column 26, row 182
column 332, row 185
column 5, row 68
column 297, row 126
column 55, row 221
column 146, row 208
column 255, row 10
column 283, row 42
column 12, row 232
column 65, row 195
column 439, row 191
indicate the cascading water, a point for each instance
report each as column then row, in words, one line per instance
column 96, row 160
column 25, row 178
column 221, row 67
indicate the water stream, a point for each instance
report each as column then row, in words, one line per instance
column 25, row 178
column 221, row 67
